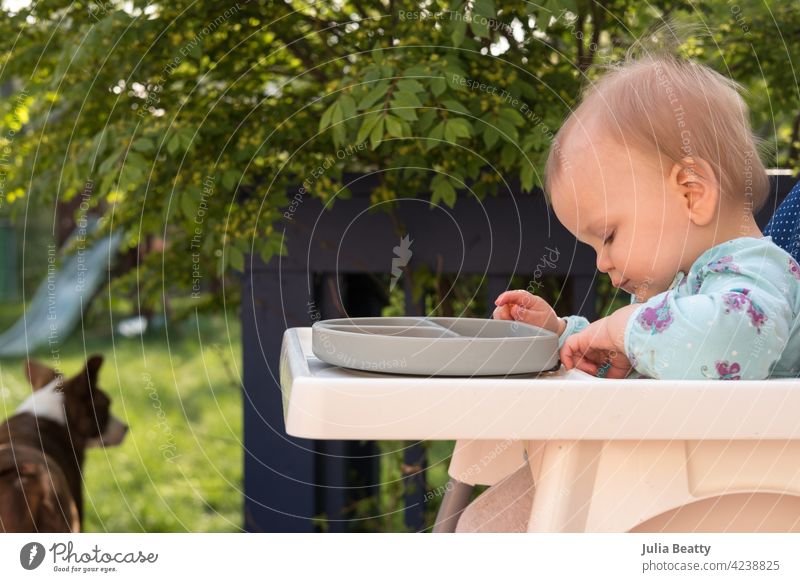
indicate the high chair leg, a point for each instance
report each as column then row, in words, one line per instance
column 476, row 462
column 455, row 500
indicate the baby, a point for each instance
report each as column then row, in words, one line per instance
column 657, row 170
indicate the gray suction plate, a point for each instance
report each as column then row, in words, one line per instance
column 435, row 346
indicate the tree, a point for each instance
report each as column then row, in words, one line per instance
column 203, row 121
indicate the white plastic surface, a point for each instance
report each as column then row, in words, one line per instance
column 327, row 402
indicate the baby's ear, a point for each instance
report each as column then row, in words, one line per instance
column 697, row 185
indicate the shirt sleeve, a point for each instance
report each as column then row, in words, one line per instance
column 735, row 327
column 575, row 323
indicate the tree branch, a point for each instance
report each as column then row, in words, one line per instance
column 579, row 35
column 794, row 152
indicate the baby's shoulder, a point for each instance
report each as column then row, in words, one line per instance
column 759, row 260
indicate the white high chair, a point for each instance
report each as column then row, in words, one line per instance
column 605, row 455
column 618, row 485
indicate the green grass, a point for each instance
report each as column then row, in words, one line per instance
column 180, row 467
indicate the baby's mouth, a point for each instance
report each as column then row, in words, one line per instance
column 624, row 285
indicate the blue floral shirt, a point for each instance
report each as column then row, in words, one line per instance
column 734, row 316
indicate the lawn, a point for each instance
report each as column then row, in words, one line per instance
column 180, row 467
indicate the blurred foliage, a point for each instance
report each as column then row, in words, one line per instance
column 192, row 119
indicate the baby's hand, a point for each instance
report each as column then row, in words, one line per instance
column 519, row 305
column 594, row 347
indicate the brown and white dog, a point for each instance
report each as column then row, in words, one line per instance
column 42, row 449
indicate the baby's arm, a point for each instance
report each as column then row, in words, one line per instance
column 735, row 327
column 574, row 324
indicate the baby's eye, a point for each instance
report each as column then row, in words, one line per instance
column 610, row 238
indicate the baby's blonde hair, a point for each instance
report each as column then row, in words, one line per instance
column 679, row 109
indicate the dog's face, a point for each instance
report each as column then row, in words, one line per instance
column 86, row 406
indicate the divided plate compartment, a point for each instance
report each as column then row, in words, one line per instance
column 435, row 346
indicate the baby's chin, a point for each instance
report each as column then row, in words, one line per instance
column 645, row 292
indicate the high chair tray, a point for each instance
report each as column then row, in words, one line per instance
column 435, row 346
column 330, row 402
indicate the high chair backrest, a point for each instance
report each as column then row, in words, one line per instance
column 784, row 226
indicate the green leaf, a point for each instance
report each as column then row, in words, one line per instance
column 377, row 92
column 408, row 114
column 325, row 120
column 189, row 200
column 376, row 135
column 453, row 76
column 174, row 144
column 507, row 129
column 455, row 128
column 236, row 258
column 485, row 8
column 490, row 136
column 230, row 178
column 348, row 106
column 454, row 105
column 508, row 155
column 137, row 160
column 415, row 71
column 479, row 26
column 445, row 192
column 526, row 177
column 336, row 115
column 459, row 30
column 512, row 115
column 406, row 99
column 188, row 137
column 438, row 86
column 339, row 134
column 366, row 127
column 435, row 135
column 393, row 126
column 410, row 86
column 426, row 120
column 110, row 161
column 337, row 127
column 143, row 144
column 266, row 253
column 372, row 74
column 377, row 54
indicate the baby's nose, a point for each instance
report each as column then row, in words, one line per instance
column 603, row 264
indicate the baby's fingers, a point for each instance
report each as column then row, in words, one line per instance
column 567, row 355
column 502, row 312
column 519, row 296
column 575, row 355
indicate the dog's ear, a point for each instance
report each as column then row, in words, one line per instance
column 93, row 367
column 38, row 374
column 86, row 379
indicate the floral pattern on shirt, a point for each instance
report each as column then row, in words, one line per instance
column 739, row 300
column 724, row 265
column 724, row 371
column 656, row 319
column 794, row 268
